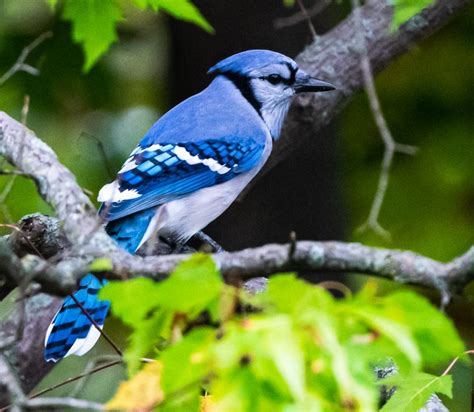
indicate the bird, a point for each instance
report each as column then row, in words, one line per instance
column 186, row 171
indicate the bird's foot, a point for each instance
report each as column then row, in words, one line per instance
column 207, row 241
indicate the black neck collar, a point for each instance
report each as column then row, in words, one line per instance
column 243, row 85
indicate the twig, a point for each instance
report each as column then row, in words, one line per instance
column 25, row 109
column 391, row 146
column 10, row 382
column 335, row 57
column 45, row 404
column 24, row 236
column 91, row 365
column 103, row 153
column 4, row 195
column 453, row 362
column 96, row 325
column 85, row 374
column 7, row 189
column 12, row 173
column 20, row 64
column 307, row 17
column 73, row 379
column 292, row 249
column 340, row 287
column 318, row 7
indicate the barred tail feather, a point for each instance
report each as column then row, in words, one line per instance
column 71, row 332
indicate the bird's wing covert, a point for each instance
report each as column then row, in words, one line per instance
column 163, row 172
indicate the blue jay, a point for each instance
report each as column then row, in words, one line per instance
column 187, row 170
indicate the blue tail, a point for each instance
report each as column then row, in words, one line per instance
column 71, row 332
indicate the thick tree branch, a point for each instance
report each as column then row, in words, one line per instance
column 55, row 183
column 335, row 57
column 337, row 257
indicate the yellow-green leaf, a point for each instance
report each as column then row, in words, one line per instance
column 101, row 265
column 434, row 332
column 131, row 300
column 193, row 286
column 187, row 11
column 142, row 392
column 52, row 3
column 406, row 9
column 414, row 391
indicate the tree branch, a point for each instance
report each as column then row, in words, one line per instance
column 336, row 257
column 48, row 403
column 335, row 57
column 55, row 183
column 306, row 14
column 20, row 64
column 391, row 146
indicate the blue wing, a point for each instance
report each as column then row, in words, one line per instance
column 159, row 173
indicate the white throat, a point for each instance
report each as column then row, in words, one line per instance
column 273, row 114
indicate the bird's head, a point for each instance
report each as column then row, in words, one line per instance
column 268, row 80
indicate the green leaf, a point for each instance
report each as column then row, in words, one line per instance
column 434, row 333
column 143, row 4
column 193, row 287
column 414, row 391
column 289, row 3
column 179, row 9
column 406, row 9
column 349, row 387
column 267, row 346
column 131, row 300
column 187, row 11
column 223, row 307
column 396, row 331
column 282, row 346
column 52, row 3
column 145, row 337
column 239, row 392
column 185, row 363
column 101, row 265
column 93, row 26
column 292, row 295
column 298, row 348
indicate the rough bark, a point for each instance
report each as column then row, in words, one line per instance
column 61, row 277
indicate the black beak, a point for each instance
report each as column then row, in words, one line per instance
column 306, row 83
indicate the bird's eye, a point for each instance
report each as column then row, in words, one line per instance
column 274, row 78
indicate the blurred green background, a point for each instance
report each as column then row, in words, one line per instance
column 426, row 96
